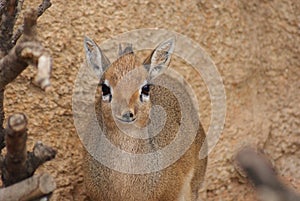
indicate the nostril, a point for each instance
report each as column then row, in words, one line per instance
column 127, row 115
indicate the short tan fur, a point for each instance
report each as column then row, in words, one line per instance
column 127, row 86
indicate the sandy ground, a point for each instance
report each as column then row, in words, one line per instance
column 254, row 44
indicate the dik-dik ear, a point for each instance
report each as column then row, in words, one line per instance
column 125, row 48
column 160, row 58
column 94, row 57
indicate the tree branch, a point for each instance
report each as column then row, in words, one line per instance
column 264, row 178
column 19, row 8
column 2, row 7
column 2, row 143
column 35, row 54
column 7, row 25
column 27, row 51
column 10, row 67
column 40, row 10
column 43, row 7
column 14, row 164
column 18, row 164
column 29, row 189
column 41, row 154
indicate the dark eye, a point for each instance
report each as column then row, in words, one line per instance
column 105, row 90
column 146, row 90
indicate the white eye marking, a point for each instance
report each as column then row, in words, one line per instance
column 106, row 91
column 106, row 98
column 144, row 92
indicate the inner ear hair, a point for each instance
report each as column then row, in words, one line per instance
column 147, row 62
column 95, row 57
column 125, row 48
column 160, row 58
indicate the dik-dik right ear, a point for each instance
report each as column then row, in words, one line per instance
column 94, row 57
column 160, row 58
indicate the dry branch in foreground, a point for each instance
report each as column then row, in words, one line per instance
column 17, row 51
column 262, row 175
column 18, row 164
column 29, row 189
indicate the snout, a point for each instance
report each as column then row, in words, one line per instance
column 127, row 117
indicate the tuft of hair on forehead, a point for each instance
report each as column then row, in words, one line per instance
column 120, row 68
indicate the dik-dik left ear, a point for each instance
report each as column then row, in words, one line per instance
column 125, row 48
column 160, row 58
column 94, row 57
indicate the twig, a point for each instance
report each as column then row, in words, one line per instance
column 19, row 8
column 36, row 55
column 40, row 10
column 2, row 7
column 264, row 178
column 10, row 67
column 27, row 51
column 14, row 162
column 18, row 164
column 43, row 7
column 29, row 189
column 2, row 143
column 7, row 25
column 40, row 154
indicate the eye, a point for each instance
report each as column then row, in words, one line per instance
column 145, row 90
column 106, row 92
column 145, row 93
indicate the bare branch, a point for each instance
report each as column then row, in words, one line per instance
column 264, row 178
column 7, row 25
column 40, row 10
column 18, row 164
column 29, row 189
column 2, row 7
column 30, row 23
column 19, row 8
column 12, row 64
column 17, row 34
column 27, row 51
column 43, row 7
column 36, row 55
column 2, row 143
column 10, row 67
column 14, row 164
column 41, row 154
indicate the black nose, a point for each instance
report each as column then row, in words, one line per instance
column 128, row 116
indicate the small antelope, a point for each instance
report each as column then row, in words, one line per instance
column 125, row 100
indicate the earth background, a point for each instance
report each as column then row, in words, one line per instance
column 254, row 44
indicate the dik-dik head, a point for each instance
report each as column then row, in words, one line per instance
column 125, row 86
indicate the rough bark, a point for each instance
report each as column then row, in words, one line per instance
column 2, row 144
column 8, row 20
column 262, row 175
column 40, row 10
column 32, row 188
column 18, row 164
column 27, row 51
column 17, row 51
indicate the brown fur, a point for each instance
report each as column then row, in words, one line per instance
column 182, row 178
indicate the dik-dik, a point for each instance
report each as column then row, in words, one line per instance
column 127, row 94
